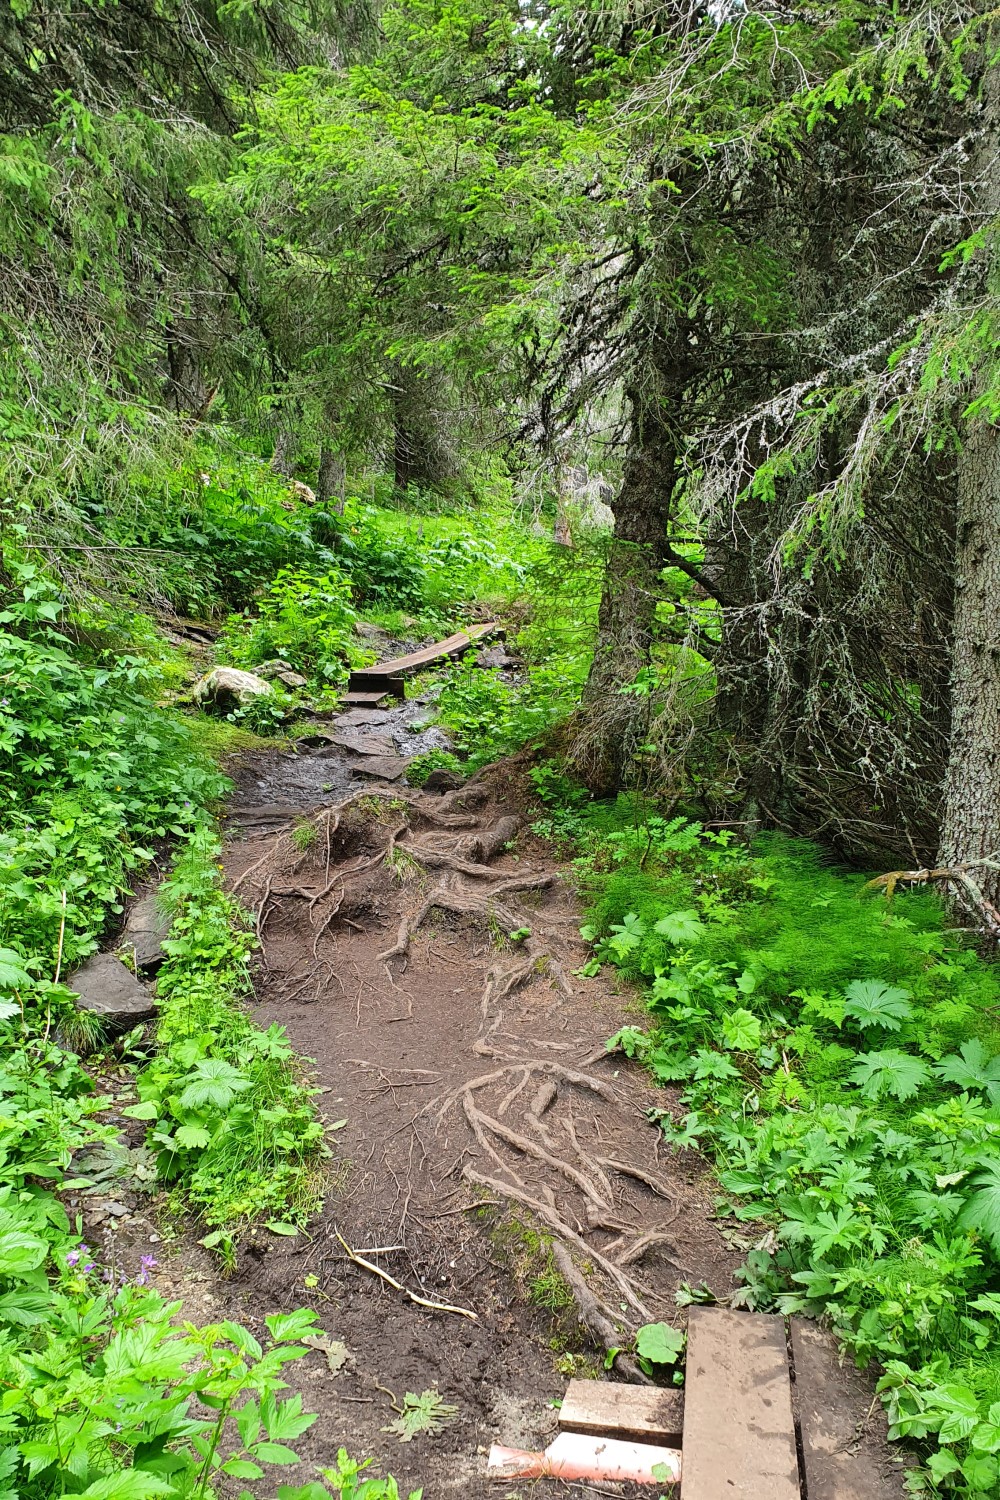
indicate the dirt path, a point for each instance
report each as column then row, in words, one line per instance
column 480, row 1109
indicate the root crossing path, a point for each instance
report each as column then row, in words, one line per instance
column 500, row 1214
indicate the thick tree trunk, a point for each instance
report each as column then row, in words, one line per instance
column 283, row 458
column 611, row 724
column 970, row 827
column 330, row 478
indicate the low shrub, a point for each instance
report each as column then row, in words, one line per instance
column 305, row 619
column 232, row 1120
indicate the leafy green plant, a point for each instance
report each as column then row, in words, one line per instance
column 229, row 1117
column 874, row 1202
column 424, row 1413
column 659, row 1344
column 420, row 767
column 304, row 618
column 346, row 1482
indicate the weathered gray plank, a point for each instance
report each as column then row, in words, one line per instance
column 623, row 1411
column 844, row 1445
column 402, row 666
column 739, row 1436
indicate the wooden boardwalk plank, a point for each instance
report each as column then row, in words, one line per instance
column 604, row 1409
column 844, row 1443
column 739, row 1436
column 386, row 674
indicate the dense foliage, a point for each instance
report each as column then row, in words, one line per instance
column 839, row 1055
column 668, row 333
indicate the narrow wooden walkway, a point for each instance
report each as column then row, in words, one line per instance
column 369, row 686
column 750, row 1423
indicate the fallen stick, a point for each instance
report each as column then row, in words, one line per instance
column 359, row 1260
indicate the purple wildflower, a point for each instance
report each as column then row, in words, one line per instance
column 148, row 1263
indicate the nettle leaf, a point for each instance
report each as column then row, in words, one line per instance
column 660, row 1343
column 423, row 1413
column 982, row 1209
column 284, row 1327
column 972, row 1067
column 891, row 1072
column 741, row 1031
column 872, row 1003
column 680, row 927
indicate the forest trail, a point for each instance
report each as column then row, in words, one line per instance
column 420, row 950
column 470, row 1069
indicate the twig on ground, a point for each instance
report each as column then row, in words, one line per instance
column 367, row 1265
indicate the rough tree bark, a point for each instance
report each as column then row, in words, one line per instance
column 607, row 723
column 330, row 478
column 970, row 827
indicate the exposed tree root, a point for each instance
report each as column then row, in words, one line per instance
column 630, row 1170
column 552, row 1218
column 552, row 1070
column 595, row 1315
column 530, row 1148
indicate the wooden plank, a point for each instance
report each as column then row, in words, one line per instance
column 373, row 679
column 403, row 666
column 844, row 1443
column 604, row 1409
column 367, row 700
column 739, row 1436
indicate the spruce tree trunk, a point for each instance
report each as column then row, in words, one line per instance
column 970, row 827
column 330, row 478
column 610, row 724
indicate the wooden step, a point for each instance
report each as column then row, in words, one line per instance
column 374, row 680
column 843, row 1435
column 739, row 1436
column 367, row 700
column 605, row 1409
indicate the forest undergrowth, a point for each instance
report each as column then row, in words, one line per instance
column 835, row 1053
column 106, row 774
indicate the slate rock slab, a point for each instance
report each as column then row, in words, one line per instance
column 144, row 932
column 381, row 767
column 111, row 991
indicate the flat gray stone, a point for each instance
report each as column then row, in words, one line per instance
column 381, row 767
column 442, row 780
column 358, row 718
column 111, row 991
column 144, row 932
